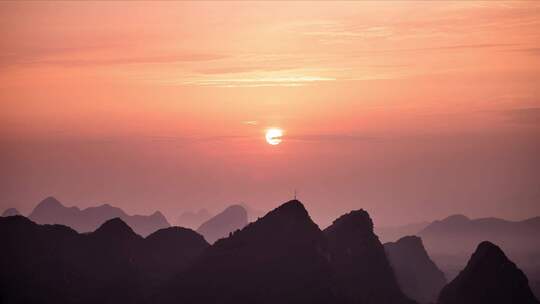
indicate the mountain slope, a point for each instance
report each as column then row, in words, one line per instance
column 489, row 278
column 417, row 275
column 231, row 219
column 279, row 258
column 361, row 271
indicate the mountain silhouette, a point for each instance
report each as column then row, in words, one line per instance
column 11, row 212
column 489, row 278
column 451, row 241
column 51, row 211
column 282, row 257
column 459, row 234
column 232, row 218
column 35, row 262
column 279, row 258
column 55, row 264
column 417, row 275
column 193, row 219
column 361, row 271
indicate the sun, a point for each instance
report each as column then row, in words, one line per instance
column 273, row 136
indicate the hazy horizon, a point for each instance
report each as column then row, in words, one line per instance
column 412, row 111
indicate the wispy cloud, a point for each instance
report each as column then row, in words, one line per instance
column 254, row 80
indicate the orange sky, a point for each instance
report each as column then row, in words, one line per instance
column 395, row 107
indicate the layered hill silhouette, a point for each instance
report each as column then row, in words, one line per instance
column 489, row 277
column 11, row 212
column 231, row 219
column 55, row 264
column 417, row 275
column 451, row 241
column 458, row 234
column 51, row 211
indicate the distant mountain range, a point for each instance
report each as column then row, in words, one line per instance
column 451, row 241
column 457, row 237
column 283, row 257
column 458, row 234
column 194, row 219
column 232, row 218
column 51, row 211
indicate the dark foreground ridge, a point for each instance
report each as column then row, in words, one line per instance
column 489, row 277
column 281, row 258
column 55, row 264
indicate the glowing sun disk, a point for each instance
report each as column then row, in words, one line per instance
column 273, row 136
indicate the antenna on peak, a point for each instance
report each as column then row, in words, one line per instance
column 294, row 194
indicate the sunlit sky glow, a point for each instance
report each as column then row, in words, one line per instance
column 393, row 107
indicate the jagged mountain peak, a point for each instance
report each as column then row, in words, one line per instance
column 291, row 213
column 290, row 222
column 292, row 208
